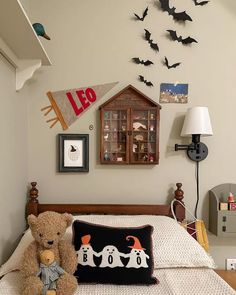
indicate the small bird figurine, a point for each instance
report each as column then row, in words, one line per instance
column 39, row 29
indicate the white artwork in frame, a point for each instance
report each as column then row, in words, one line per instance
column 73, row 151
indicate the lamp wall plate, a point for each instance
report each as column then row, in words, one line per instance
column 199, row 153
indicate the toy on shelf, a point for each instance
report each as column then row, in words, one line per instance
column 106, row 137
column 152, row 116
column 134, row 147
column 139, row 137
column 106, row 156
column 106, row 127
column 152, row 127
column 151, row 158
column 138, row 125
column 40, row 31
column 231, row 198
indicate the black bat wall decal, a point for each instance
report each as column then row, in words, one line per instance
column 150, row 41
column 200, row 3
column 171, row 66
column 137, row 60
column 184, row 41
column 179, row 16
column 148, row 83
column 144, row 15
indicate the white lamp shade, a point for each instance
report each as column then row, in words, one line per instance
column 197, row 121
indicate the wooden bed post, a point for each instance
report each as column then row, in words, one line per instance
column 32, row 206
column 178, row 208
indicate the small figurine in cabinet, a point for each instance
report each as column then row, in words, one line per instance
column 152, row 127
column 138, row 125
column 145, row 157
column 106, row 115
column 106, row 156
column 151, row 158
column 106, row 137
column 142, row 148
column 134, row 147
column 152, row 117
column 139, row 137
column 106, row 127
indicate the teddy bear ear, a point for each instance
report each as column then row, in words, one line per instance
column 68, row 218
column 32, row 219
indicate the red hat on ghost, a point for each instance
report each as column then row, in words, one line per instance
column 137, row 245
column 85, row 239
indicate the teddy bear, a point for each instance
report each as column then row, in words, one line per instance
column 49, row 272
column 48, row 230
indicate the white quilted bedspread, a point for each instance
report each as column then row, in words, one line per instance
column 179, row 281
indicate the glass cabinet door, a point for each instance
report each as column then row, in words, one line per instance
column 114, row 136
column 144, row 133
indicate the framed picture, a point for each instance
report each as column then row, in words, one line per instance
column 173, row 93
column 73, row 152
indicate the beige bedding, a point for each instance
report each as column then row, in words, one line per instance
column 178, row 281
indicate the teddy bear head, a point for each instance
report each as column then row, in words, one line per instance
column 49, row 227
column 47, row 257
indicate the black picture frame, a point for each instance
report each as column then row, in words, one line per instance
column 73, row 152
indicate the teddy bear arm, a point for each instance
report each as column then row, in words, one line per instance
column 68, row 259
column 29, row 261
column 60, row 270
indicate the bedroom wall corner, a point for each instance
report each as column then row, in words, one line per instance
column 13, row 159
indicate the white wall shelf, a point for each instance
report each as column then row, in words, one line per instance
column 19, row 43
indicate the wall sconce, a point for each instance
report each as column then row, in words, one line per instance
column 197, row 123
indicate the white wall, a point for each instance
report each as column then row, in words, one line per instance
column 93, row 43
column 13, row 159
column 25, row 4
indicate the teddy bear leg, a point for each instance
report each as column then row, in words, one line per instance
column 66, row 285
column 32, row 285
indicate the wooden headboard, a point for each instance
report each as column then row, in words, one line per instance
column 34, row 206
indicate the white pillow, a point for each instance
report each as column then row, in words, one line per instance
column 172, row 245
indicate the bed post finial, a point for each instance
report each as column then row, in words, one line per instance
column 34, row 192
column 32, row 206
column 179, row 193
column 178, row 208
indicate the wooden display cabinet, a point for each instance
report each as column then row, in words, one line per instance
column 130, row 129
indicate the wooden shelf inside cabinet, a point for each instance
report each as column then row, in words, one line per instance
column 129, row 129
column 19, row 43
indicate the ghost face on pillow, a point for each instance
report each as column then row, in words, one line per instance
column 86, row 252
column 111, row 257
column 137, row 258
column 85, row 255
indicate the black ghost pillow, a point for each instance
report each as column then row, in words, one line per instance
column 113, row 255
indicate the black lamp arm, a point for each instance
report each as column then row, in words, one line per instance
column 184, row 147
column 196, row 150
